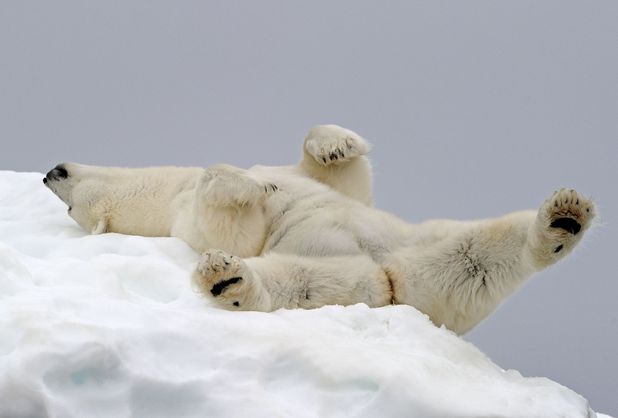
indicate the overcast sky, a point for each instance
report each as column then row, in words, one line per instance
column 475, row 109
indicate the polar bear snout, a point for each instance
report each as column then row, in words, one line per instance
column 56, row 181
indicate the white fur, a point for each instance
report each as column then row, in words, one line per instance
column 284, row 240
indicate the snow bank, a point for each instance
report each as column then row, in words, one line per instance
column 108, row 326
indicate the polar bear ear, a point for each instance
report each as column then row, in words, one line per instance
column 100, row 227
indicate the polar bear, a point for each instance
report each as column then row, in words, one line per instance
column 305, row 236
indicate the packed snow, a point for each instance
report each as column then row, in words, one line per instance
column 110, row 326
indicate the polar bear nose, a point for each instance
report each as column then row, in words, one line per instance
column 57, row 173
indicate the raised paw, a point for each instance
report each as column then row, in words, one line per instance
column 568, row 212
column 332, row 144
column 223, row 276
column 223, row 185
column 560, row 224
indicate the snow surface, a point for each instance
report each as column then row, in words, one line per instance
column 109, row 326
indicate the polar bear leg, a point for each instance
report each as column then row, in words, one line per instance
column 533, row 239
column 337, row 156
column 470, row 267
column 286, row 281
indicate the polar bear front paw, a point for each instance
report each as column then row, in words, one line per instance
column 560, row 224
column 332, row 144
column 224, row 277
column 224, row 185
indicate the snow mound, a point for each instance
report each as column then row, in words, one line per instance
column 109, row 326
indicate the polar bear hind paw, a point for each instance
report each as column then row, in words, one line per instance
column 562, row 220
column 222, row 276
column 569, row 211
column 332, row 144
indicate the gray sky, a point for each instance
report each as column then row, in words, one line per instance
column 475, row 108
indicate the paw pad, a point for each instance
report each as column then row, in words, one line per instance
column 223, row 276
column 569, row 211
column 568, row 224
column 220, row 287
column 561, row 222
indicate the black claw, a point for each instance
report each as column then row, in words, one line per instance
column 559, row 248
column 333, row 156
column 236, row 304
column 568, row 224
column 218, row 288
column 324, row 159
